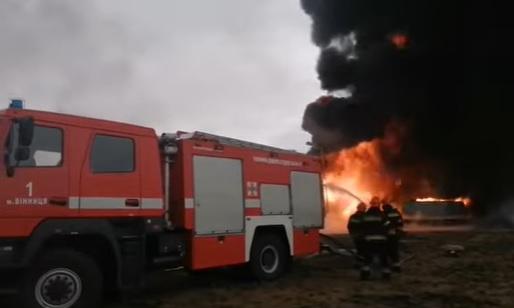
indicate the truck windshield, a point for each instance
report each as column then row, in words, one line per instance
column 45, row 149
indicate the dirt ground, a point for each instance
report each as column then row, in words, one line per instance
column 482, row 276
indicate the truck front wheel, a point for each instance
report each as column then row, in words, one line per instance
column 268, row 259
column 62, row 279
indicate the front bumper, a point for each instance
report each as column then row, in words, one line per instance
column 11, row 254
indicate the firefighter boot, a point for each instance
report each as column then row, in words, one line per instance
column 358, row 262
column 386, row 274
column 396, row 267
column 365, row 272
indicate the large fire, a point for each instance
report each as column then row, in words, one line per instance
column 466, row 201
column 351, row 176
column 359, row 173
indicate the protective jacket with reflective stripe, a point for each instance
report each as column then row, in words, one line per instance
column 374, row 225
column 355, row 224
column 395, row 220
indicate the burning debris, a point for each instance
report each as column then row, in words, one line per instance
column 453, row 250
column 460, row 200
column 433, row 211
column 425, row 109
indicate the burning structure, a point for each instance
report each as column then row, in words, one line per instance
column 420, row 96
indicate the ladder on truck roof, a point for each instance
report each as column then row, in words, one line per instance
column 234, row 142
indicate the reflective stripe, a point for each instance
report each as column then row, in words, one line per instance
column 103, row 203
column 73, row 203
column 252, row 203
column 152, row 203
column 189, row 203
column 372, row 218
column 355, row 220
column 374, row 237
column 108, row 203
column 393, row 215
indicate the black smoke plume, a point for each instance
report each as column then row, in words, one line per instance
column 449, row 79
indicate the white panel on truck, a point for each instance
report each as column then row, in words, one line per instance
column 306, row 199
column 275, row 199
column 218, row 192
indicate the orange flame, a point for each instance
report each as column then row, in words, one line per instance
column 465, row 200
column 359, row 173
column 399, row 40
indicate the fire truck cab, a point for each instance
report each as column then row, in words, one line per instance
column 89, row 205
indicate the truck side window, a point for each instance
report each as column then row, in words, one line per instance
column 46, row 148
column 112, row 154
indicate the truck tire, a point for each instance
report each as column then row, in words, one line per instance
column 62, row 279
column 268, row 257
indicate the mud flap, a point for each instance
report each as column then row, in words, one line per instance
column 132, row 261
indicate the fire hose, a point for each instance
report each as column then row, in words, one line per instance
column 342, row 190
column 332, row 245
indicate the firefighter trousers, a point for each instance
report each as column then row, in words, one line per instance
column 374, row 249
column 393, row 249
column 359, row 244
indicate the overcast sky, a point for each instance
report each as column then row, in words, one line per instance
column 241, row 68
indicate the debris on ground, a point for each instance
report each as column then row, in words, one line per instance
column 453, row 250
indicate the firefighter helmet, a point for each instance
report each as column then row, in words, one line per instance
column 375, row 201
column 387, row 207
column 361, row 207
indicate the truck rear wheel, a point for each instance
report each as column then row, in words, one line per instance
column 62, row 279
column 268, row 258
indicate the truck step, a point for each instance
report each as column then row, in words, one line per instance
column 162, row 261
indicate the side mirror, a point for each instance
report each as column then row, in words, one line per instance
column 26, row 131
column 8, row 167
column 10, row 171
column 22, row 154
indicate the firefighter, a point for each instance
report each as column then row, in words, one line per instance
column 355, row 230
column 374, row 231
column 395, row 230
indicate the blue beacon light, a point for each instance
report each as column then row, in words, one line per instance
column 16, row 104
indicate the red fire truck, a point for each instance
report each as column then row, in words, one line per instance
column 89, row 205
